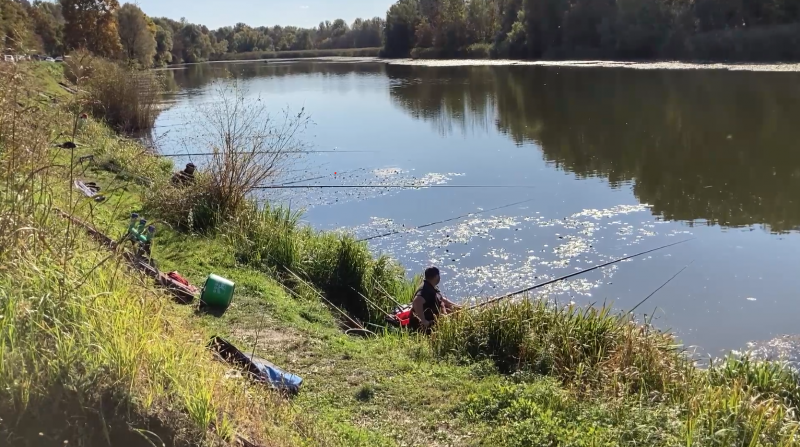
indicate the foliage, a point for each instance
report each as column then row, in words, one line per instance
column 82, row 338
column 340, row 267
column 584, row 346
column 705, row 29
column 124, row 98
column 248, row 147
column 92, row 25
column 163, row 46
column 48, row 25
column 15, row 26
column 401, row 25
column 137, row 37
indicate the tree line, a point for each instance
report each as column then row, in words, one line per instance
column 126, row 32
column 553, row 29
column 537, row 29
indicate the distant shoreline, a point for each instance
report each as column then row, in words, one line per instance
column 644, row 65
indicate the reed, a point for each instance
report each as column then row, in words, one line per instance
column 586, row 347
column 272, row 239
column 120, row 95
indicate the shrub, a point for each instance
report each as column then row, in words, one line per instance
column 427, row 53
column 588, row 347
column 126, row 98
column 343, row 269
column 247, row 146
column 478, row 51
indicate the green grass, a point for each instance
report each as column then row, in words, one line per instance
column 83, row 338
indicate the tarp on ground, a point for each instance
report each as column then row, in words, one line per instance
column 260, row 369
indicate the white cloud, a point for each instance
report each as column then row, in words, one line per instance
column 304, row 7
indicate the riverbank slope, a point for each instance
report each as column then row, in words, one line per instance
column 83, row 334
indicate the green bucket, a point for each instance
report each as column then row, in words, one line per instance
column 217, row 292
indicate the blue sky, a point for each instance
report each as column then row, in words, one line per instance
column 305, row 13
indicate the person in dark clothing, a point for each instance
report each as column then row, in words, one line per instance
column 429, row 303
column 183, row 177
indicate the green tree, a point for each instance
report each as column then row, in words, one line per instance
column 138, row 39
column 15, row 26
column 194, row 45
column 163, row 46
column 48, row 24
column 399, row 33
column 91, row 25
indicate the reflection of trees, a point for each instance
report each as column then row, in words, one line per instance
column 720, row 146
column 194, row 77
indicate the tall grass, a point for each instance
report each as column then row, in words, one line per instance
column 91, row 354
column 586, row 347
column 120, row 95
column 629, row 380
column 271, row 238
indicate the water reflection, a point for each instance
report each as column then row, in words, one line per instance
column 711, row 146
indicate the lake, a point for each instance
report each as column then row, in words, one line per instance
column 596, row 163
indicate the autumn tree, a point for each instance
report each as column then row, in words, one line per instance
column 92, row 25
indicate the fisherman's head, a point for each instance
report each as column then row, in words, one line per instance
column 432, row 275
column 190, row 168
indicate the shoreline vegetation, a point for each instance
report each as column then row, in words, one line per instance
column 92, row 353
column 531, row 30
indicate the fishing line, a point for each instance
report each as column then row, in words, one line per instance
column 207, row 154
column 388, row 186
column 324, row 176
column 528, row 289
column 475, row 213
column 662, row 286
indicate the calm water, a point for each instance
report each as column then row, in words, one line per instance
column 614, row 161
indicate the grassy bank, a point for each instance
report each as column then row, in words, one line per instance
column 84, row 339
column 300, row 54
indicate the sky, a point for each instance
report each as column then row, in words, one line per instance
column 303, row 13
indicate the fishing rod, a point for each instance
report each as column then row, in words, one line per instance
column 323, row 176
column 387, row 186
column 313, row 289
column 369, row 301
column 385, row 293
column 445, row 221
column 528, row 289
column 202, row 154
column 662, row 286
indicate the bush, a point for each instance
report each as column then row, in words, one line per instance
column 478, row 51
column 427, row 53
column 588, row 347
column 125, row 98
column 343, row 269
